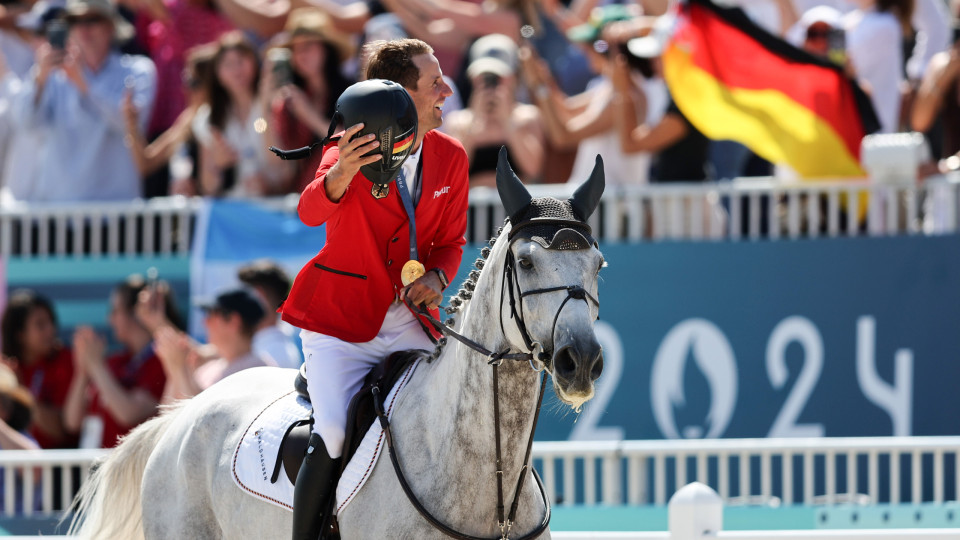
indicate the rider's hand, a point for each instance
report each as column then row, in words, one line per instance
column 350, row 160
column 426, row 290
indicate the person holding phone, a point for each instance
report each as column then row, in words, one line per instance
column 230, row 129
column 76, row 95
column 308, row 78
column 20, row 166
column 493, row 117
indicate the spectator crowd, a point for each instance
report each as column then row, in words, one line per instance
column 91, row 391
column 121, row 99
column 103, row 100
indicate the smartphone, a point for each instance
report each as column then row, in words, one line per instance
column 490, row 80
column 837, row 46
column 57, row 31
column 153, row 276
column 282, row 69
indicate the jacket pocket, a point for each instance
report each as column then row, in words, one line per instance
column 340, row 272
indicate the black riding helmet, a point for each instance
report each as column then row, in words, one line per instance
column 385, row 109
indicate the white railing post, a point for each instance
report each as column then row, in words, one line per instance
column 695, row 512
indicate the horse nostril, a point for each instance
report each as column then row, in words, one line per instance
column 597, row 368
column 563, row 363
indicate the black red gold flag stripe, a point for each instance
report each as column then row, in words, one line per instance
column 733, row 80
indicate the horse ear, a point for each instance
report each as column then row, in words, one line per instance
column 587, row 196
column 513, row 194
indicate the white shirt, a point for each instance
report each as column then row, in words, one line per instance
column 83, row 155
column 409, row 169
column 874, row 48
column 274, row 343
column 619, row 168
column 245, row 140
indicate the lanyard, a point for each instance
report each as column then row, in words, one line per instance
column 408, row 205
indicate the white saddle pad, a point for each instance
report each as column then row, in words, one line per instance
column 256, row 454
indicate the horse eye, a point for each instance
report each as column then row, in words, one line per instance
column 525, row 262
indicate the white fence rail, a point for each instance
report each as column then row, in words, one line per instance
column 754, row 471
column 748, row 208
column 43, row 482
column 696, row 513
column 863, row 470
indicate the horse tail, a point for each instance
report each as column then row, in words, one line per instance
column 108, row 504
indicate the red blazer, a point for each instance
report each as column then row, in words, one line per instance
column 346, row 289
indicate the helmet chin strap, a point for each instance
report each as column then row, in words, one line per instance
column 304, row 152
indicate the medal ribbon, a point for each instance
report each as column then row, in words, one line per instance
column 408, row 206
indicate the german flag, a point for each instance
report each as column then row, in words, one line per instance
column 405, row 142
column 733, row 80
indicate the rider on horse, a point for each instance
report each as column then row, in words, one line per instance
column 393, row 194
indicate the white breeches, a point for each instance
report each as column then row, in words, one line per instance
column 336, row 369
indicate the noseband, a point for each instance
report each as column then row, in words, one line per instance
column 565, row 239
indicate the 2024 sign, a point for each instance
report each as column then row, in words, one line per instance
column 712, row 353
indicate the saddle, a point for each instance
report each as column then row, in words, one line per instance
column 360, row 414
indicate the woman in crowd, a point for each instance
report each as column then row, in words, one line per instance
column 232, row 130
column 493, row 118
column 176, row 145
column 109, row 396
column 307, row 85
column 42, row 364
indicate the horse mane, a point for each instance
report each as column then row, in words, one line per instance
column 465, row 294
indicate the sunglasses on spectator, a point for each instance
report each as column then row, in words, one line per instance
column 818, row 33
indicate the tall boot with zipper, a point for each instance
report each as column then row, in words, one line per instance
column 316, row 483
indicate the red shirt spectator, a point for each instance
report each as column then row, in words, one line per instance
column 141, row 371
column 48, row 381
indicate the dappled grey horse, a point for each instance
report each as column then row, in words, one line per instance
column 459, row 468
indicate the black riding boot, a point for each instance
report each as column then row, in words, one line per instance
column 316, row 482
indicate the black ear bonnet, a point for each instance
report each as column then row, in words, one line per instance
column 552, row 223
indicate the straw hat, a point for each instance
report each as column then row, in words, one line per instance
column 122, row 29
column 312, row 22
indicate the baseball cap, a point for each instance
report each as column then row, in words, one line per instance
column 652, row 44
column 498, row 46
column 242, row 301
column 819, row 14
column 489, row 64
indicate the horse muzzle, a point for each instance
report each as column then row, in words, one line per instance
column 576, row 366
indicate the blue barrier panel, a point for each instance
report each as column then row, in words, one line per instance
column 844, row 337
column 839, row 337
column 80, row 287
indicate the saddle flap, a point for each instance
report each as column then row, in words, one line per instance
column 360, row 413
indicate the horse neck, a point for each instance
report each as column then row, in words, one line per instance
column 458, row 386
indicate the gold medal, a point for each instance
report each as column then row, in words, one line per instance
column 412, row 270
column 380, row 191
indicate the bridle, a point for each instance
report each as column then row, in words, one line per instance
column 496, row 358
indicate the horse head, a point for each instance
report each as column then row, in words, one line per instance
column 552, row 270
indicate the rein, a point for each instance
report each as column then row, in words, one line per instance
column 495, row 359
